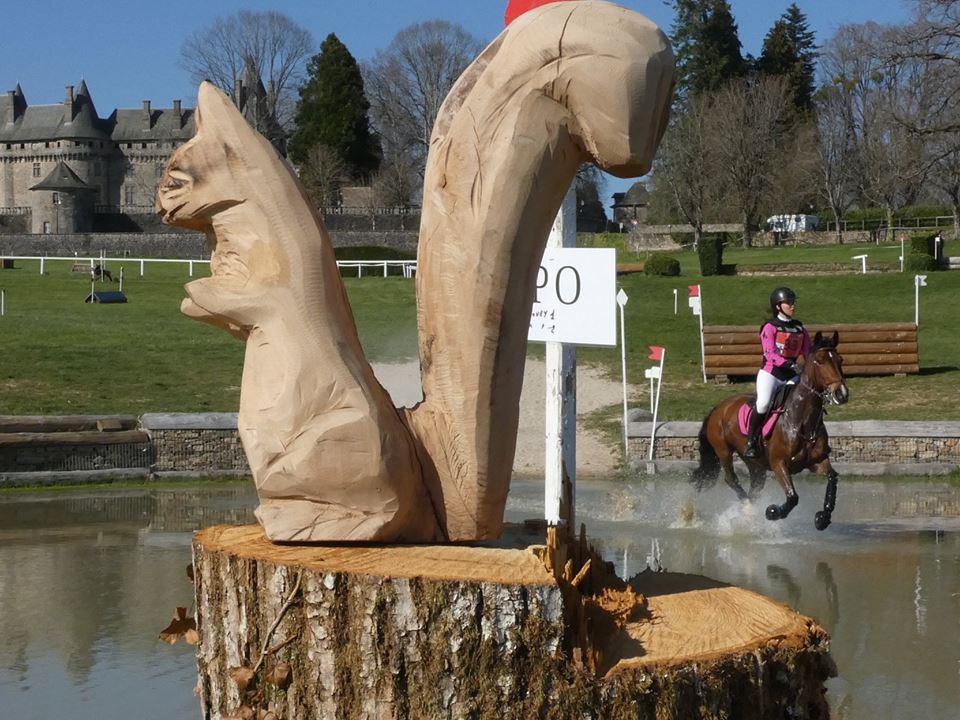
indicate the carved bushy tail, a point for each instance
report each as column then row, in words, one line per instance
column 706, row 474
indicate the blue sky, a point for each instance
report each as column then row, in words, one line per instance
column 128, row 52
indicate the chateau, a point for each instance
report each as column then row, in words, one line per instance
column 64, row 165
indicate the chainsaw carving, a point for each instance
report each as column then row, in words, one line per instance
column 564, row 84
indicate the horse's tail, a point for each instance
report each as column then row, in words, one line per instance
column 706, row 474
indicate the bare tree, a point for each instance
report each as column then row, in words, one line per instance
column 395, row 184
column 835, row 147
column 888, row 161
column 323, row 174
column 930, row 44
column 270, row 42
column 944, row 173
column 408, row 81
column 749, row 121
column 686, row 164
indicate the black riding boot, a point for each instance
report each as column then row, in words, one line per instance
column 752, row 449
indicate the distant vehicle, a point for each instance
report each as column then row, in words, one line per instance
column 791, row 223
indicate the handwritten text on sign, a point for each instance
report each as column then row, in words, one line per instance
column 576, row 297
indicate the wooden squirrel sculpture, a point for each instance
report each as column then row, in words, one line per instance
column 331, row 457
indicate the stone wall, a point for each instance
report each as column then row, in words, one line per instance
column 69, row 458
column 864, row 446
column 205, row 442
column 208, row 443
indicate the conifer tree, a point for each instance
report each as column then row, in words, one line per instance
column 789, row 50
column 706, row 45
column 333, row 112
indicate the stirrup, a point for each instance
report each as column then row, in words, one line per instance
column 752, row 449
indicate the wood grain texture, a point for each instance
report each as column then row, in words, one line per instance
column 372, row 632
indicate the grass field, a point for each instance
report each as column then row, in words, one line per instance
column 60, row 355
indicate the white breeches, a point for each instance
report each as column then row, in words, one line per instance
column 767, row 385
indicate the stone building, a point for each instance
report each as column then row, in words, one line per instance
column 67, row 168
column 630, row 208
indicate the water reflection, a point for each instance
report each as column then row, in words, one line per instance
column 86, row 583
column 87, row 580
column 884, row 580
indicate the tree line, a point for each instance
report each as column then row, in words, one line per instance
column 343, row 122
column 868, row 119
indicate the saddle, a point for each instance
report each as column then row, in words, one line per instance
column 777, row 403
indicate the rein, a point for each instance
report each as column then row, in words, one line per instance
column 820, row 396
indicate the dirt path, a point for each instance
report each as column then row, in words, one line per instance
column 595, row 456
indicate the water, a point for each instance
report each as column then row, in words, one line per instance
column 88, row 579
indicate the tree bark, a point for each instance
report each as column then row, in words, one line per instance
column 436, row 632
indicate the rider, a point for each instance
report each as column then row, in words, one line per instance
column 784, row 341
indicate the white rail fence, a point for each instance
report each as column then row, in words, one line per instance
column 407, row 267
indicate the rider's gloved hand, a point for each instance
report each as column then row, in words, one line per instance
column 795, row 367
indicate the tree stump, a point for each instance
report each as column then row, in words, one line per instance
column 446, row 631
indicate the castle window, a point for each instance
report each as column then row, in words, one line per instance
column 36, row 169
column 159, row 171
column 128, row 195
column 143, row 146
column 56, row 198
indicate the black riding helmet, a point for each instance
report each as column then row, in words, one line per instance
column 782, row 295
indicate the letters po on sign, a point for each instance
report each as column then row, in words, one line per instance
column 576, row 297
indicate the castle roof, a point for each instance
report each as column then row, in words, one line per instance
column 636, row 195
column 61, row 178
column 76, row 118
column 127, row 125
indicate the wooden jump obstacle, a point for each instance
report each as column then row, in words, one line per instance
column 867, row 349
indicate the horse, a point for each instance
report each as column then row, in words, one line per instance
column 798, row 441
column 98, row 272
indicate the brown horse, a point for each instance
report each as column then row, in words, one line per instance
column 798, row 441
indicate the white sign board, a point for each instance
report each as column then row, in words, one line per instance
column 576, row 297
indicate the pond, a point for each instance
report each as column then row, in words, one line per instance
column 89, row 578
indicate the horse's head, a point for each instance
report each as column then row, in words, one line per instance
column 824, row 369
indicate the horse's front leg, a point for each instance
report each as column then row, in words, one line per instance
column 822, row 519
column 779, row 512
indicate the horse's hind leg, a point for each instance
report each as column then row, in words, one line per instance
column 779, row 512
column 729, row 475
column 822, row 519
column 758, row 478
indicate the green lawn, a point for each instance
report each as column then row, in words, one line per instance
column 60, row 355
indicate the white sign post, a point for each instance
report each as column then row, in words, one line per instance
column 901, row 253
column 863, row 262
column 560, row 468
column 575, row 303
column 656, row 353
column 918, row 282
column 622, row 302
column 695, row 301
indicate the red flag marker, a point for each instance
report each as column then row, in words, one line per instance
column 694, row 290
column 516, row 8
column 656, row 352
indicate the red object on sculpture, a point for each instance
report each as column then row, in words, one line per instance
column 516, row 8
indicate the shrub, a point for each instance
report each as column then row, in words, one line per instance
column 919, row 261
column 921, row 243
column 710, row 252
column 661, row 264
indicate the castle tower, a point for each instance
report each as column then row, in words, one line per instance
column 62, row 202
